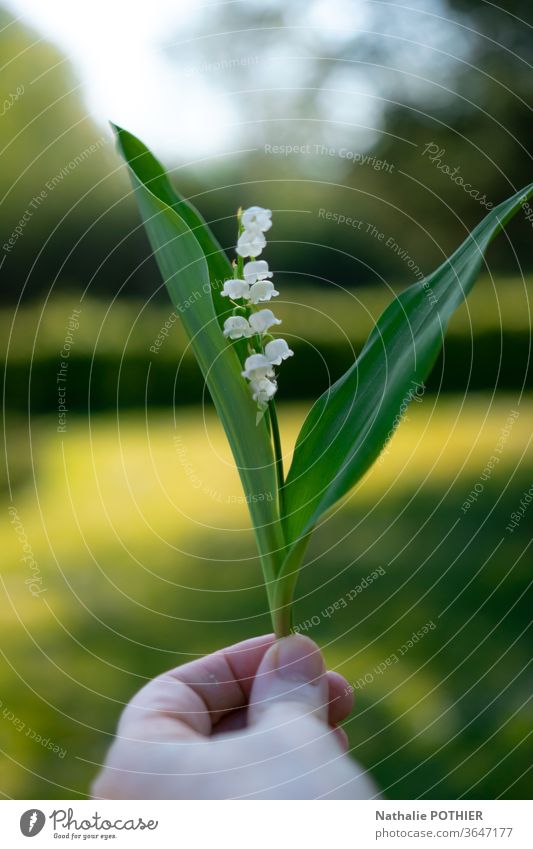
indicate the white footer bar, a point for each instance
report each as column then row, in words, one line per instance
column 268, row 825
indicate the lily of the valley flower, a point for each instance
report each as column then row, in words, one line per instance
column 250, row 243
column 263, row 390
column 257, row 366
column 263, row 320
column 252, row 288
column 237, row 327
column 257, row 218
column 235, row 289
column 262, row 290
column 256, row 270
column 277, row 350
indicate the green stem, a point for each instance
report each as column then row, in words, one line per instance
column 278, row 454
column 282, row 621
column 285, row 584
column 240, row 261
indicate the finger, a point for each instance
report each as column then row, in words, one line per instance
column 340, row 698
column 291, row 680
column 191, row 699
column 340, row 705
column 234, row 721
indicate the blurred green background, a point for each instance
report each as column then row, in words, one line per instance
column 134, row 513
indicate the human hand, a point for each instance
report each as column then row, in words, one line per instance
column 256, row 720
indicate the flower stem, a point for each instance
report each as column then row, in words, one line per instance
column 240, row 261
column 278, row 454
column 282, row 621
column 281, row 599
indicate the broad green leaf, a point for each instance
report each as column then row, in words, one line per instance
column 150, row 172
column 184, row 268
column 347, row 427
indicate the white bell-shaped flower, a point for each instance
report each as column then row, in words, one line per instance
column 262, row 290
column 257, row 218
column 257, row 366
column 263, row 320
column 263, row 390
column 237, row 327
column 277, row 350
column 256, row 270
column 235, row 289
column 250, row 243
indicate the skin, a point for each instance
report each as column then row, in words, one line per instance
column 257, row 720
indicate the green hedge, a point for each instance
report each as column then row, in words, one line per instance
column 128, row 352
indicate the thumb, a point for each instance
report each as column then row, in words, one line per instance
column 291, row 676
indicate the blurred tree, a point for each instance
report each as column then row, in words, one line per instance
column 58, row 172
column 344, row 80
column 484, row 130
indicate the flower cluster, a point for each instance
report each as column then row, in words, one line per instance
column 249, row 289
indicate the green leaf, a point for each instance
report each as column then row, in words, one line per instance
column 347, row 427
column 180, row 241
column 152, row 174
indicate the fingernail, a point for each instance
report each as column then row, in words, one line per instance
column 342, row 738
column 298, row 659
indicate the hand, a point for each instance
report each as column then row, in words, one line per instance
column 256, row 720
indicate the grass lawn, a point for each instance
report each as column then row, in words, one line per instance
column 142, row 547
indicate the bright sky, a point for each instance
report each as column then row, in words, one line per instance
column 115, row 47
